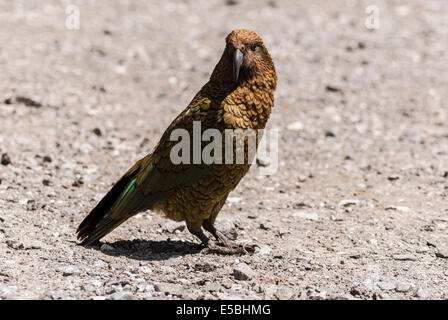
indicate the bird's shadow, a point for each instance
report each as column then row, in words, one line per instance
column 149, row 250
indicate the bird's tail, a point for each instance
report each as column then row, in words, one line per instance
column 101, row 220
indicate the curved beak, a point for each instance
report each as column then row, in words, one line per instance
column 237, row 62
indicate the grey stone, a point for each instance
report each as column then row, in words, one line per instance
column 398, row 208
column 243, row 272
column 234, row 199
column 6, row 292
column 322, row 295
column 422, row 293
column 265, row 225
column 170, row 288
column 228, row 229
column 432, row 243
column 384, row 285
column 212, row 287
column 442, row 253
column 295, row 126
column 69, row 271
column 404, row 257
column 123, row 295
column 349, row 202
column 403, row 287
column 145, row 287
column 270, row 290
column 422, row 250
column 263, row 250
column 284, row 293
column 5, row 160
column 263, row 162
column 303, row 214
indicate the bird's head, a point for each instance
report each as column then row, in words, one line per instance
column 244, row 57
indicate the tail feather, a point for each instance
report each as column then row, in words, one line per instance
column 98, row 222
column 105, row 226
column 138, row 190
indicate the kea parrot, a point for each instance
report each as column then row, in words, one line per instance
column 238, row 96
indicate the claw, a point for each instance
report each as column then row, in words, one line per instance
column 221, row 238
column 251, row 247
column 235, row 250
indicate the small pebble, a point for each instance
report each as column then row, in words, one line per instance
column 97, row 132
column 263, row 162
column 263, row 250
column 349, row 202
column 46, row 159
column 124, row 295
column 383, row 285
column 234, row 199
column 5, row 160
column 398, row 208
column 28, row 102
column 332, row 88
column 422, row 293
column 295, row 126
column 432, row 243
column 442, row 253
column 305, row 215
column 231, row 2
column 69, row 271
column 212, row 287
column 243, row 272
column 265, row 226
column 77, row 183
column 404, row 257
column 403, row 287
column 393, row 177
column 170, row 288
column 284, row 293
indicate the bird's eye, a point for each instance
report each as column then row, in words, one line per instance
column 253, row 47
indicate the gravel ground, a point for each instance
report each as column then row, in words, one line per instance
column 357, row 209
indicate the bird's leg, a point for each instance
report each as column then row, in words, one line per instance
column 217, row 234
column 211, row 248
column 199, row 234
column 229, row 248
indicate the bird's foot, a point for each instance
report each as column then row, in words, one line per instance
column 224, row 246
column 229, row 250
column 221, row 238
